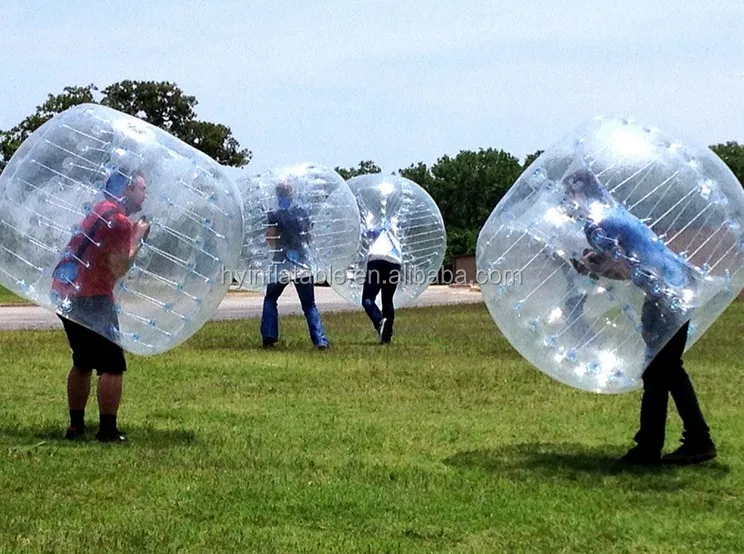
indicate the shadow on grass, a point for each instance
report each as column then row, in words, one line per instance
column 574, row 462
column 145, row 435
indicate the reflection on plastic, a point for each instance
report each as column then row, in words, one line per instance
column 119, row 226
column 398, row 214
column 299, row 221
column 622, row 234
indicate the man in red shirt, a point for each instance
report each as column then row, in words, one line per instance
column 83, row 289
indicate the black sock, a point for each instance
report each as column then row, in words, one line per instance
column 77, row 418
column 107, row 424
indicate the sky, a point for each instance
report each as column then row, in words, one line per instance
column 396, row 82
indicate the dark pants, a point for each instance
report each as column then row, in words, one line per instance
column 270, row 317
column 666, row 375
column 381, row 276
column 92, row 327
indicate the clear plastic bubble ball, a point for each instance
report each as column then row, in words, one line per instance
column 411, row 219
column 119, row 226
column 606, row 246
column 299, row 221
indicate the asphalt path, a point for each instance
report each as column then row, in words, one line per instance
column 239, row 305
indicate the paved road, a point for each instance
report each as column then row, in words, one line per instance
column 242, row 306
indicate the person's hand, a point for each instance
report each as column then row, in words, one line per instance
column 582, row 269
column 579, row 266
column 139, row 234
column 602, row 264
column 141, row 231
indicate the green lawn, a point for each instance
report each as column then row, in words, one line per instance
column 446, row 441
column 7, row 297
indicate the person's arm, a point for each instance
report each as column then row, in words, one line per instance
column 124, row 250
column 602, row 265
column 140, row 231
column 272, row 235
column 272, row 232
column 618, row 227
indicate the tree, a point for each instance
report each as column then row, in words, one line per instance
column 215, row 140
column 420, row 174
column 732, row 153
column 11, row 139
column 162, row 104
column 363, row 168
column 466, row 188
column 531, row 158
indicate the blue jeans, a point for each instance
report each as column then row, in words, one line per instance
column 270, row 317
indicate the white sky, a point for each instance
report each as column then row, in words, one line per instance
column 339, row 81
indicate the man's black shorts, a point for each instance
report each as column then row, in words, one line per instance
column 90, row 349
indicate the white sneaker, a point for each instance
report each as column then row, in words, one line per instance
column 379, row 331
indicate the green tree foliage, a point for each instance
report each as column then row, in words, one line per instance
column 162, row 104
column 364, row 167
column 217, row 141
column 531, row 158
column 421, row 175
column 11, row 139
column 733, row 154
column 466, row 188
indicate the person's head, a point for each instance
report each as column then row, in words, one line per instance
column 128, row 190
column 582, row 185
column 284, row 193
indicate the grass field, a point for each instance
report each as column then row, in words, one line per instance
column 7, row 297
column 446, row 441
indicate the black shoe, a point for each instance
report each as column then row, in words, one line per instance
column 691, row 453
column 324, row 346
column 269, row 343
column 116, row 437
column 386, row 331
column 75, row 433
column 639, row 456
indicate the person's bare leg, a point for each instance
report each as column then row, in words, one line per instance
column 109, row 393
column 78, row 389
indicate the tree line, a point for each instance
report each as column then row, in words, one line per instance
column 466, row 187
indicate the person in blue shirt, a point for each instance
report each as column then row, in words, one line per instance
column 382, row 276
column 622, row 248
column 288, row 235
